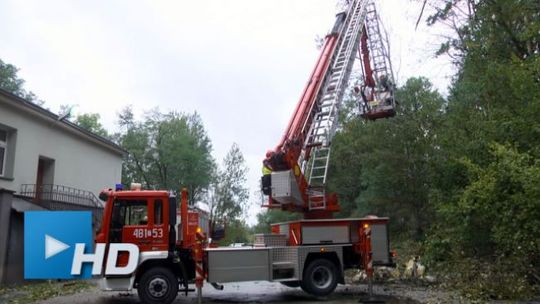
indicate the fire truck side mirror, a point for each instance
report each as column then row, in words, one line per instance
column 104, row 195
column 172, row 210
column 172, row 220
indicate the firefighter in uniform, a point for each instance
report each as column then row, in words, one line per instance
column 266, row 180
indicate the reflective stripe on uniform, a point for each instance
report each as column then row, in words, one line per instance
column 266, row 170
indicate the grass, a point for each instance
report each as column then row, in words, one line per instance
column 38, row 291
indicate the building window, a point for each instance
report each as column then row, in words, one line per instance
column 8, row 141
column 3, row 151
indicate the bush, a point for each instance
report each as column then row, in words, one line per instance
column 488, row 239
column 501, row 278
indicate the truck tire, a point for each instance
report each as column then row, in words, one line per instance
column 158, row 285
column 320, row 277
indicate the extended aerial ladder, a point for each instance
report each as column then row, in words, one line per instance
column 300, row 162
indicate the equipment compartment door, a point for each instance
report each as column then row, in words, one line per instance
column 238, row 264
column 379, row 244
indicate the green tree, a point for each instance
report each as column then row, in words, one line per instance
column 229, row 196
column 272, row 216
column 10, row 81
column 501, row 200
column 167, row 151
column 236, row 231
column 495, row 97
column 488, row 144
column 384, row 167
column 489, row 27
column 90, row 122
column 493, row 226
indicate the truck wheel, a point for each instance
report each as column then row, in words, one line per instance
column 158, row 285
column 320, row 278
column 292, row 284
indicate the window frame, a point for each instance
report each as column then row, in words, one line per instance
column 158, row 212
column 4, row 145
column 132, row 214
column 122, row 207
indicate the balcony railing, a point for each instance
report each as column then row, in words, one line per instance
column 58, row 197
column 59, row 193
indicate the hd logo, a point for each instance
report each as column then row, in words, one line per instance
column 49, row 243
column 58, row 245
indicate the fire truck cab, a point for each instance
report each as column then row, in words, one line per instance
column 147, row 219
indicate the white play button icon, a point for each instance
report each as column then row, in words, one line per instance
column 53, row 246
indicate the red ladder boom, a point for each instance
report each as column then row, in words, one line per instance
column 299, row 163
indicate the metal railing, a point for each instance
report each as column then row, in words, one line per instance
column 59, row 193
column 58, row 197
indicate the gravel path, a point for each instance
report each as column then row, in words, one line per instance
column 265, row 292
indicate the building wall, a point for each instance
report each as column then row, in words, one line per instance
column 78, row 162
column 14, row 267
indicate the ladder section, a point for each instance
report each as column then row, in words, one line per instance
column 377, row 48
column 329, row 101
column 381, row 103
column 318, row 169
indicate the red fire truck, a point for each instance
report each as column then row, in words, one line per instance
column 311, row 253
column 174, row 251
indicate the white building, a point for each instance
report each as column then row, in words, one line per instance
column 46, row 163
column 37, row 148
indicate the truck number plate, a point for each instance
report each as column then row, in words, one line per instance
column 142, row 233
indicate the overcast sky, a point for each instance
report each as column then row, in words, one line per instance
column 241, row 64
